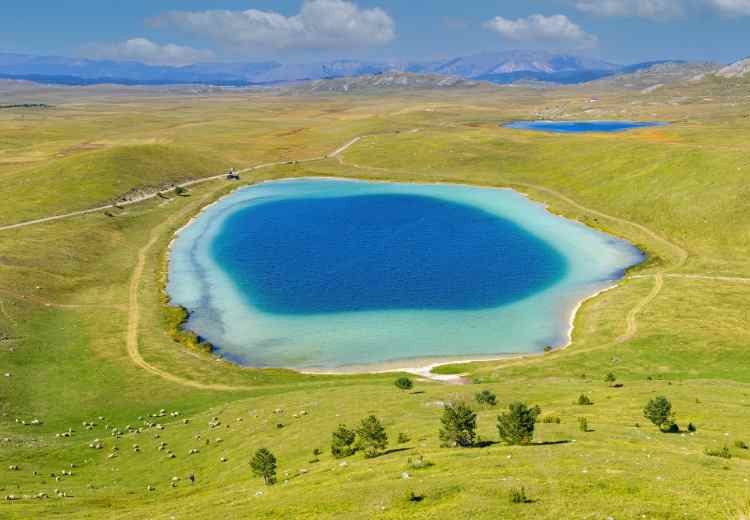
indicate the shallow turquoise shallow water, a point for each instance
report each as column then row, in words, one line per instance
column 322, row 274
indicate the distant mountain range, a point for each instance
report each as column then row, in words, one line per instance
column 495, row 67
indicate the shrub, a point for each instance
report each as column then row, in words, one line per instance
column 659, row 411
column 723, row 453
column 691, row 427
column 584, row 400
column 342, row 442
column 411, row 496
column 403, row 438
column 610, row 378
column 551, row 419
column 459, row 426
column 583, row 424
column 547, row 349
column 371, row 437
column 517, row 426
column 741, row 445
column 404, row 383
column 179, row 190
column 486, row 397
column 317, row 452
column 263, row 465
column 518, row 496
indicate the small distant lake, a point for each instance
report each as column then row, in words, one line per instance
column 578, row 127
column 323, row 274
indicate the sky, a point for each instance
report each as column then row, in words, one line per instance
column 180, row 32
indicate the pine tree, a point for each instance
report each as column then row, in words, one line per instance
column 342, row 442
column 264, row 465
column 371, row 437
column 459, row 426
column 517, row 426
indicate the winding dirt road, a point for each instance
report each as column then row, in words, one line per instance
column 133, row 307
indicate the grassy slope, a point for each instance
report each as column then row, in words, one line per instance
column 69, row 364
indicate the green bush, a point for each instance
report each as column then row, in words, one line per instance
column 741, row 445
column 517, row 425
column 486, row 397
column 411, row 496
column 551, row 419
column 371, row 437
column 659, row 411
column 317, row 452
column 518, row 496
column 342, row 442
column 610, row 378
column 404, row 383
column 723, row 453
column 691, row 427
column 584, row 400
column 583, row 424
column 403, row 438
column 459, row 426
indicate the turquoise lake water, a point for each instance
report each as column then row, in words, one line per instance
column 578, row 127
column 324, row 274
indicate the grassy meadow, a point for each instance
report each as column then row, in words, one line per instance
column 71, row 289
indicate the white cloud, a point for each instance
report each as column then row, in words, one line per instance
column 653, row 9
column 662, row 9
column 539, row 28
column 320, row 24
column 731, row 7
column 146, row 51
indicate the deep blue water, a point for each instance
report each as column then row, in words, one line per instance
column 379, row 252
column 577, row 127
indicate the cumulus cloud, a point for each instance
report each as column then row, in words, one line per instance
column 320, row 24
column 539, row 28
column 146, row 51
column 662, row 9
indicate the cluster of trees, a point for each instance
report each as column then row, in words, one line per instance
column 458, row 428
column 370, row 438
column 459, row 424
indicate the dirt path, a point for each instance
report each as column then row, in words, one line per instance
column 134, row 309
column 131, row 340
column 187, row 184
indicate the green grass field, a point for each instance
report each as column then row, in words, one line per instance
column 84, row 336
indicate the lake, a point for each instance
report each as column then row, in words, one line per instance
column 577, row 127
column 322, row 274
